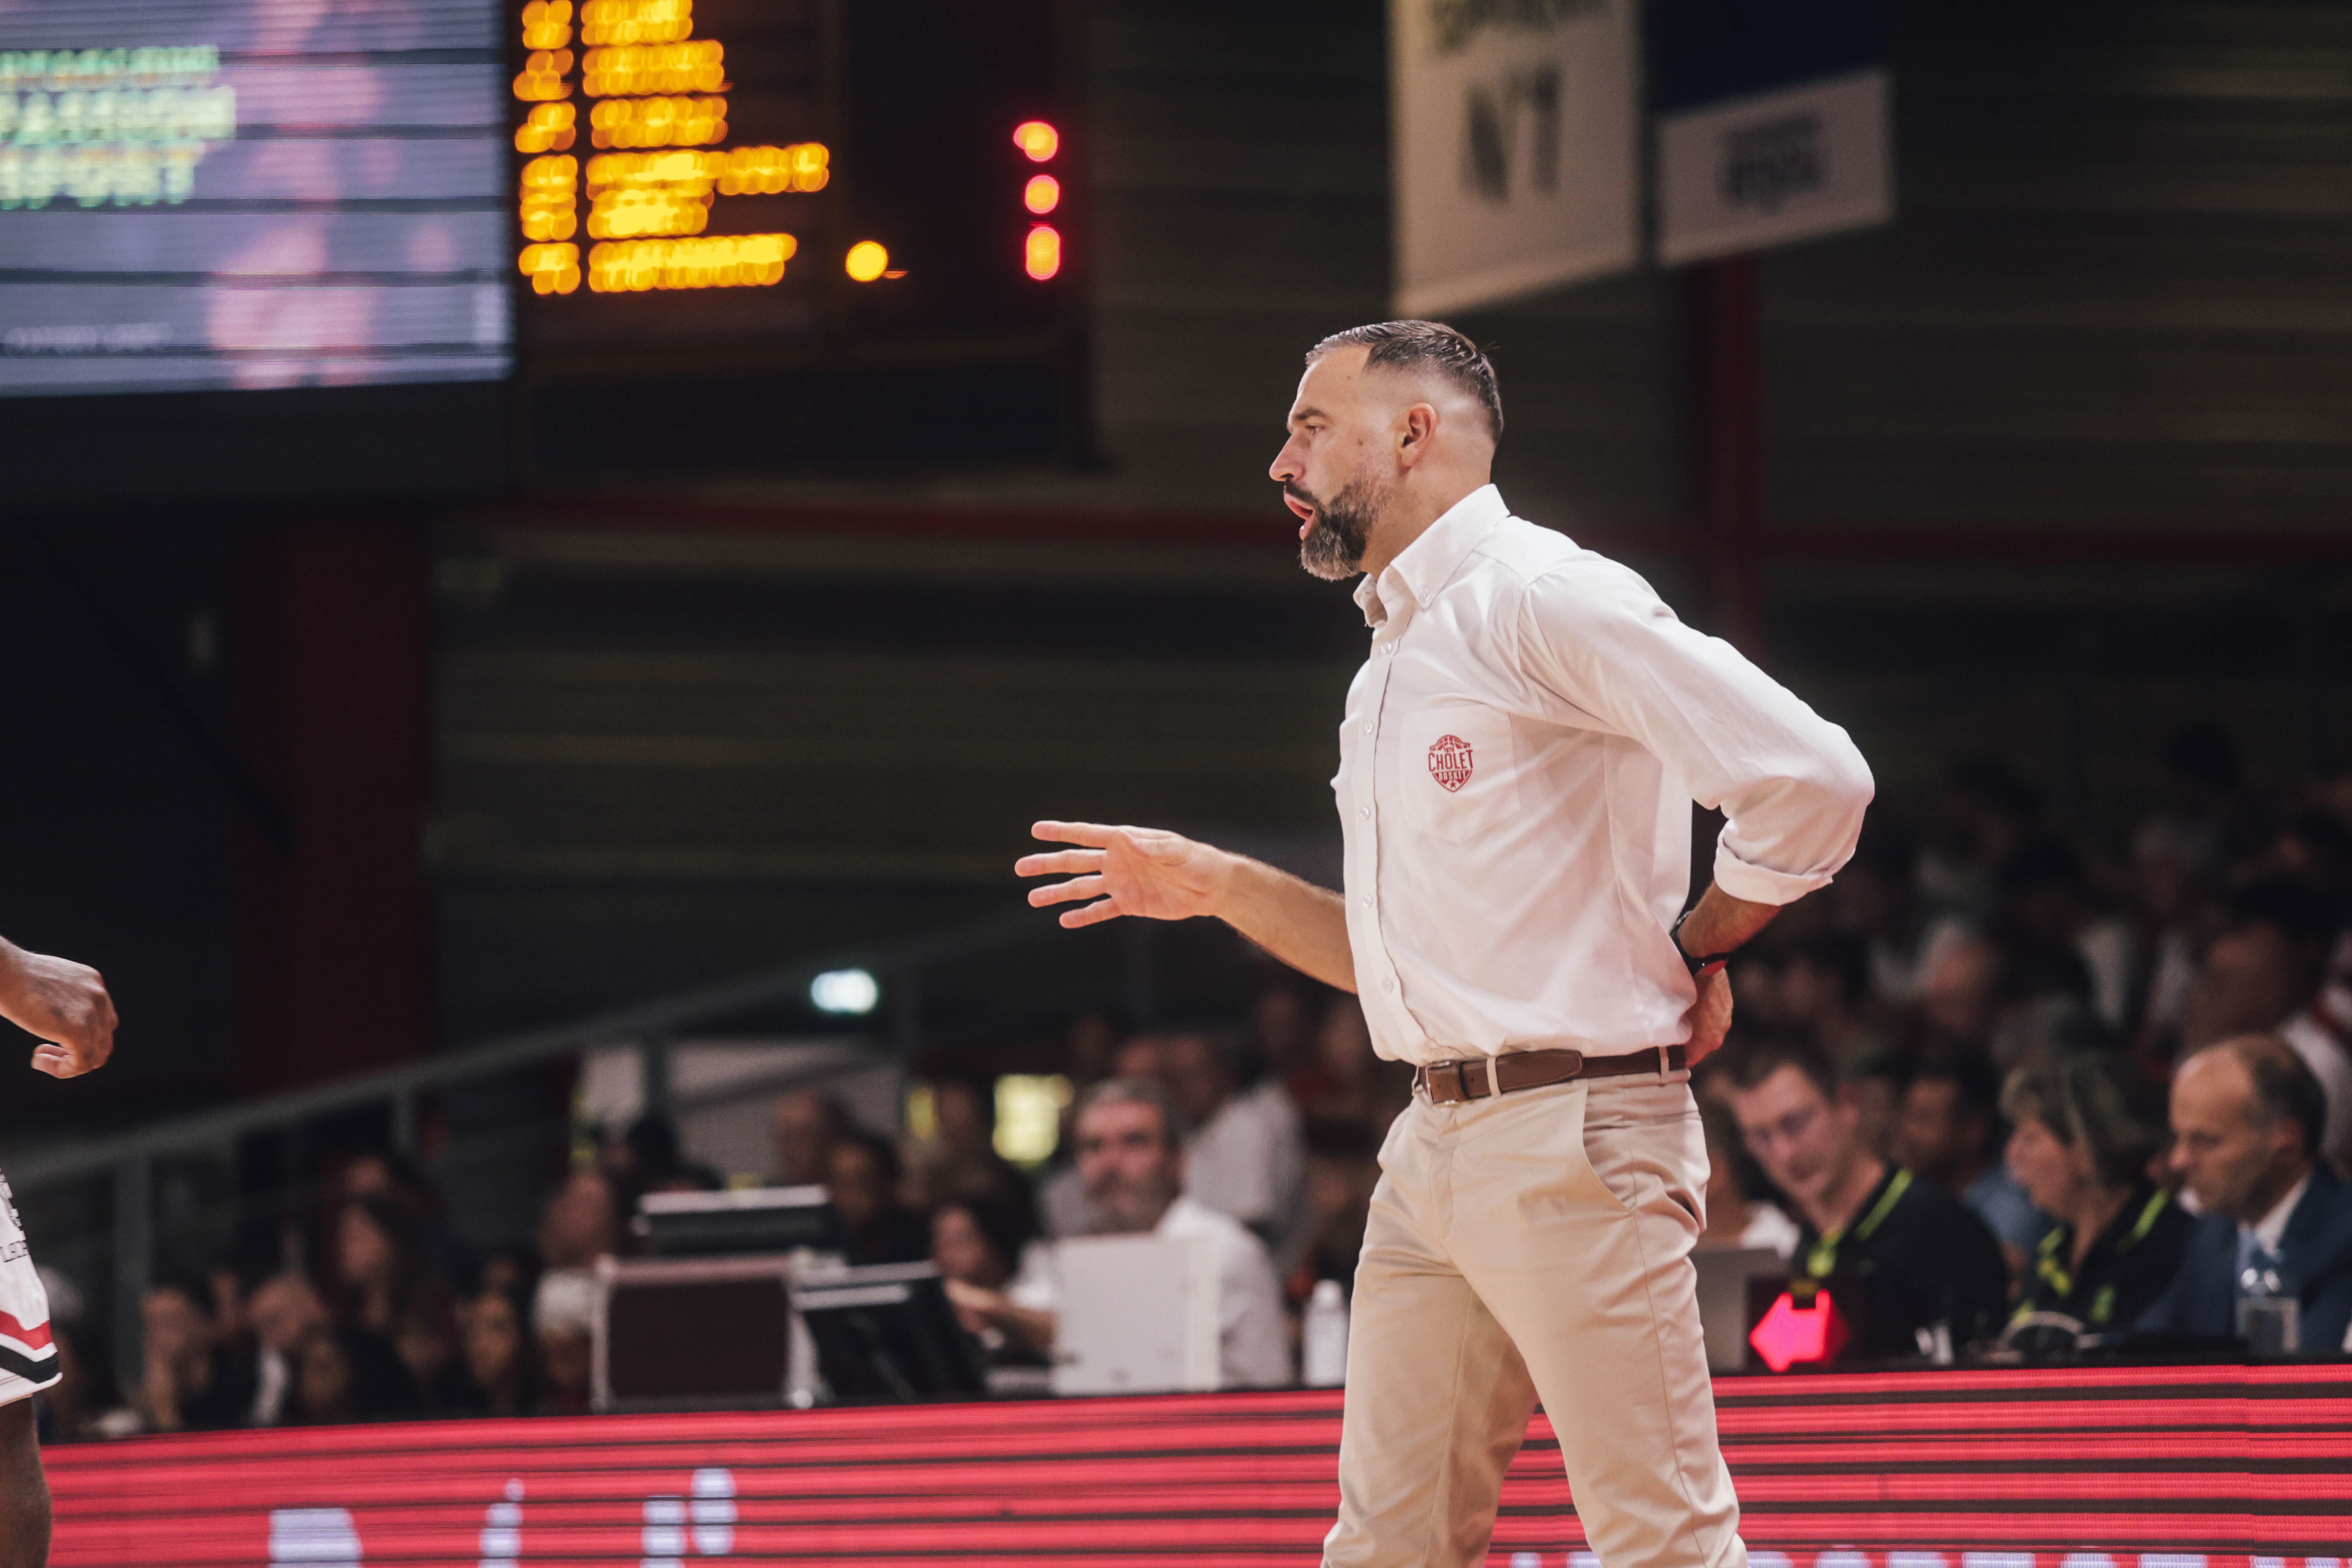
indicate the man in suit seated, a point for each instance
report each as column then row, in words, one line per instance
column 2247, row 1116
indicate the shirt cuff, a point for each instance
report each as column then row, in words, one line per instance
column 1761, row 884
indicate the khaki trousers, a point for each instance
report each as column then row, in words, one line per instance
column 1527, row 1245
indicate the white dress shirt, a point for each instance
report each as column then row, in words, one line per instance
column 1516, row 775
column 2309, row 1036
column 1253, row 1336
column 1249, row 1161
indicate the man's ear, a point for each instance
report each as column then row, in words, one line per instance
column 1416, row 427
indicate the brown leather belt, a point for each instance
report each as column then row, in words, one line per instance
column 1451, row 1083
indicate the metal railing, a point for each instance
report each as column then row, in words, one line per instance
column 129, row 1159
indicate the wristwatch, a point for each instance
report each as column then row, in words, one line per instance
column 1699, row 967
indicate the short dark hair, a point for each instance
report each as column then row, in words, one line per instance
column 2097, row 1101
column 1751, row 1063
column 1424, row 345
column 2285, row 1085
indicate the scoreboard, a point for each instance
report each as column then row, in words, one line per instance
column 690, row 235
column 757, row 232
column 243, row 194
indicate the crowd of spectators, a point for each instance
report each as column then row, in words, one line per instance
column 1988, row 1085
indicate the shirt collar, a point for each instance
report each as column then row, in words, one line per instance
column 2272, row 1228
column 1429, row 562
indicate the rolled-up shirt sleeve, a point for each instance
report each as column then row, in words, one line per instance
column 1792, row 787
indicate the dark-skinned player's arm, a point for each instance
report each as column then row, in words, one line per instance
column 1142, row 871
column 62, row 1004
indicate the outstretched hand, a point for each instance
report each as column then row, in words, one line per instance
column 1121, row 871
column 64, row 1004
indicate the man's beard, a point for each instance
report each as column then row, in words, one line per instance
column 1333, row 549
column 1129, row 1208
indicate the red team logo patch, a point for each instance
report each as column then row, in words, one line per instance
column 1449, row 762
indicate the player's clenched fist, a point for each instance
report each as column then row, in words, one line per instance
column 64, row 1004
column 1125, row 871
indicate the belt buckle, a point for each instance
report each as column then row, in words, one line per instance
column 1457, row 1093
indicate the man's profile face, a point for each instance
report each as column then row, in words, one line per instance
column 1131, row 1171
column 1337, row 470
column 2220, row 1146
column 1804, row 1139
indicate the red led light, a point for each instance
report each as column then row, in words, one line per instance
column 1042, row 195
column 1043, row 257
column 1038, row 139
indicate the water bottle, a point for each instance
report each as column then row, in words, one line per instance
column 1324, row 1336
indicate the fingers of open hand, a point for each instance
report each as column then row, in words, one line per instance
column 1066, row 892
column 1060, row 862
column 1101, row 910
column 1093, row 835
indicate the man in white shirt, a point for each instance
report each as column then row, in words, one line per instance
column 1517, row 768
column 1132, row 1158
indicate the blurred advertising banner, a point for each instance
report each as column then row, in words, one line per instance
column 2232, row 1466
column 1517, row 147
column 1772, row 122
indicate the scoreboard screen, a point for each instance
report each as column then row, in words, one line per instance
column 692, row 236
column 251, row 194
column 779, row 229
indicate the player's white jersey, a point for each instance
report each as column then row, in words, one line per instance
column 28, row 1358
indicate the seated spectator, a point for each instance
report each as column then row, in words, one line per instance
column 562, row 1322
column 350, row 1374
column 389, row 1286
column 959, row 1159
column 582, row 1222
column 387, row 1173
column 2264, row 974
column 1824, row 987
column 284, row 1308
column 1948, row 1132
column 1245, row 1155
column 1915, row 1255
column 863, row 1178
column 193, row 1382
column 1130, row 1154
column 2087, row 1130
column 1876, row 898
column 2274, row 1220
column 977, row 1246
column 494, row 1373
column 1342, row 1168
column 806, row 1123
column 1879, row 1082
column 2048, row 891
column 1738, row 1214
column 1350, row 1082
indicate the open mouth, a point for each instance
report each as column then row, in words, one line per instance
column 1305, row 512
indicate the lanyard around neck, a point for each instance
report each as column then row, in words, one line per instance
column 1822, row 1261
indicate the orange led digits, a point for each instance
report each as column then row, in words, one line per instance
column 1038, row 139
column 866, row 260
column 1043, row 257
column 550, row 188
column 1042, row 195
column 549, row 126
column 658, row 121
column 728, row 261
column 636, row 21
column 627, row 69
column 542, row 81
column 547, row 24
column 552, row 269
